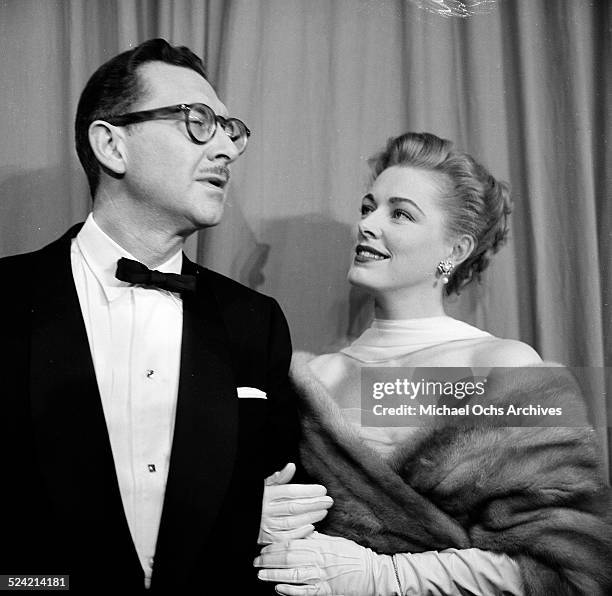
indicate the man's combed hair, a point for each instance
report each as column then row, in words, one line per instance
column 115, row 87
column 474, row 201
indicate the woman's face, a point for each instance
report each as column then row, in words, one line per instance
column 401, row 235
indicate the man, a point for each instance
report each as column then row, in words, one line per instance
column 144, row 397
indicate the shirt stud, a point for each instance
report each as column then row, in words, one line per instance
column 151, row 467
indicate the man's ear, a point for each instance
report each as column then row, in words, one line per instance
column 107, row 143
column 463, row 247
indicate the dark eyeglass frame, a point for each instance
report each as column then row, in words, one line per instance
column 170, row 113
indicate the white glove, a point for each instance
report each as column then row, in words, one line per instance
column 329, row 566
column 289, row 510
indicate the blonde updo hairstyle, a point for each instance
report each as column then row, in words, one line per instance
column 474, row 201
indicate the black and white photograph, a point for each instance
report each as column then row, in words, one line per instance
column 306, row 297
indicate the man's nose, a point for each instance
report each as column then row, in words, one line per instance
column 221, row 147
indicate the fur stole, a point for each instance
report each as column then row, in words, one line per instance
column 533, row 493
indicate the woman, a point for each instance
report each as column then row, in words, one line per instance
column 476, row 507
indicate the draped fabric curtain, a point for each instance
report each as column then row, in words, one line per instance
column 49, row 50
column 322, row 84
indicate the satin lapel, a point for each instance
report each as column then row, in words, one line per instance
column 70, row 429
column 205, row 433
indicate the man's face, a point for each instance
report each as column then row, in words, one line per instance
column 167, row 174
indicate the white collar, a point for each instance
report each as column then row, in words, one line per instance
column 386, row 339
column 101, row 254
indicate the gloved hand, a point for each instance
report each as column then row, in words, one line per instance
column 328, row 566
column 289, row 510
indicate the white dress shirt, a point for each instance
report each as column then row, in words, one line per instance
column 134, row 334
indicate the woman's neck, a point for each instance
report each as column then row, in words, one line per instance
column 415, row 303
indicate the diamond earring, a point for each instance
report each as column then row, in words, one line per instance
column 444, row 269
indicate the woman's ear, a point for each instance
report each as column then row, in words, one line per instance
column 463, row 247
column 107, row 144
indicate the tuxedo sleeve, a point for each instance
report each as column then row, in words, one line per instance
column 282, row 429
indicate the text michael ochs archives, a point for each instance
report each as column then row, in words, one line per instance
column 441, row 396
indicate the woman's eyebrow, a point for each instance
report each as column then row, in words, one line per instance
column 406, row 200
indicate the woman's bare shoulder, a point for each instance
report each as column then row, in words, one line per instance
column 495, row 351
column 326, row 368
column 322, row 363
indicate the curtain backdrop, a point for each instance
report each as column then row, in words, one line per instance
column 322, row 84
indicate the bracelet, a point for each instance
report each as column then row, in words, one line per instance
column 399, row 584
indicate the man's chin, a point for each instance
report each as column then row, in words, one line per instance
column 210, row 216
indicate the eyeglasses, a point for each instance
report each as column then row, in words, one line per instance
column 200, row 120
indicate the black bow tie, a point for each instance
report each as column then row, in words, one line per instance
column 136, row 273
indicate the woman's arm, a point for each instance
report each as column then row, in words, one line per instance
column 327, row 565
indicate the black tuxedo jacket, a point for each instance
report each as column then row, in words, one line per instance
column 60, row 505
